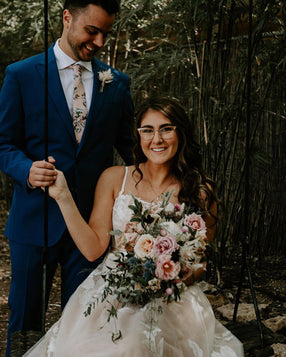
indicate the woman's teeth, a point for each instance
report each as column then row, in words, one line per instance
column 158, row 150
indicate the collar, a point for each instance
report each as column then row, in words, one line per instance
column 64, row 61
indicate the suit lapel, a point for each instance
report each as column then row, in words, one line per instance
column 56, row 92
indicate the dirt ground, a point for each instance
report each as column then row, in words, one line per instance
column 269, row 280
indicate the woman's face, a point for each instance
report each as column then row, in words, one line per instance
column 162, row 148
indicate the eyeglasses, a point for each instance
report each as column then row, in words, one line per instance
column 167, row 132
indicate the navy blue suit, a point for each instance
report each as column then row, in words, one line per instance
column 22, row 142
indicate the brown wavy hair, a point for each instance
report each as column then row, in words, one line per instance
column 187, row 163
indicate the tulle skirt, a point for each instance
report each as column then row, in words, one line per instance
column 186, row 328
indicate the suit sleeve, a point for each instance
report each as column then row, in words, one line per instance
column 13, row 160
column 124, row 138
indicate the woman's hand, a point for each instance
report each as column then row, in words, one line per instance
column 59, row 189
column 191, row 276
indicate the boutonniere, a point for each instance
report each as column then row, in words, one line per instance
column 105, row 77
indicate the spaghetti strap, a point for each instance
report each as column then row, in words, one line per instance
column 123, row 183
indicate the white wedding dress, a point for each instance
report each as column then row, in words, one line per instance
column 186, row 328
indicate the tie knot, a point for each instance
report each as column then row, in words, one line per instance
column 77, row 69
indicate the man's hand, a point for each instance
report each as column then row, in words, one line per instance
column 42, row 173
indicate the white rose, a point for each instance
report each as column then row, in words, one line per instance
column 169, row 209
column 171, row 227
column 144, row 246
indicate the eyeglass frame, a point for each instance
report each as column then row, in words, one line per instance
column 157, row 130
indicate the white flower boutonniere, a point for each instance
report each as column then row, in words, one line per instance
column 105, row 77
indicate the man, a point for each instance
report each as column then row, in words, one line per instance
column 81, row 144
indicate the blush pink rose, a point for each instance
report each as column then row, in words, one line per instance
column 144, row 246
column 165, row 245
column 166, row 269
column 195, row 222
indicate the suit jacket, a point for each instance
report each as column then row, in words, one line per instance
column 22, row 133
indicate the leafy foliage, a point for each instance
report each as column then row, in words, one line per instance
column 22, row 28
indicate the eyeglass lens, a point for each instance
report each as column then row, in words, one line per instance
column 165, row 132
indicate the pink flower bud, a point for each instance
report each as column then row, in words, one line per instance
column 169, row 291
column 178, row 207
column 163, row 232
column 185, row 229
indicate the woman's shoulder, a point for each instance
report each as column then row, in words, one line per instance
column 113, row 178
column 112, row 172
column 114, row 175
column 116, row 170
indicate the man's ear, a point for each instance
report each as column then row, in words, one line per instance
column 67, row 18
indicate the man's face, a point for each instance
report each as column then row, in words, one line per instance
column 85, row 32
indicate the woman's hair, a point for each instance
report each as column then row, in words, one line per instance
column 187, row 163
column 110, row 6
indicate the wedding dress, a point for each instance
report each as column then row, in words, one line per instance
column 186, row 328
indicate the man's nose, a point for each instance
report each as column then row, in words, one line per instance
column 98, row 40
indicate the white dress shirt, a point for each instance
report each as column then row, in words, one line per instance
column 67, row 74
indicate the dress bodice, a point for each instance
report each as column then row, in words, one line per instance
column 121, row 212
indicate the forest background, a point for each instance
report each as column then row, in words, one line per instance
column 225, row 61
column 232, row 84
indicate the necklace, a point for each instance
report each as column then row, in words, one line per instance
column 158, row 194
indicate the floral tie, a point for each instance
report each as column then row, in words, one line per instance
column 79, row 103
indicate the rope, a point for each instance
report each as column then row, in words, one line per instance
column 46, row 137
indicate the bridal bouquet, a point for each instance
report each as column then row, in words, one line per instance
column 160, row 244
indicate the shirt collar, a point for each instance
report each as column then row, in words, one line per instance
column 64, row 61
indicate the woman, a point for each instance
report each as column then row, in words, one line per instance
column 166, row 159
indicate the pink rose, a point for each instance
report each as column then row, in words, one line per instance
column 195, row 222
column 166, row 269
column 144, row 246
column 165, row 245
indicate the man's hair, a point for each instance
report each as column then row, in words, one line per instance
column 110, row 6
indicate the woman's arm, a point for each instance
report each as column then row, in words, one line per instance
column 91, row 238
